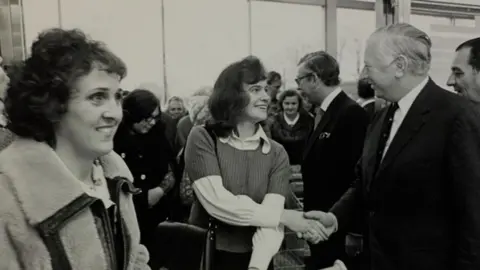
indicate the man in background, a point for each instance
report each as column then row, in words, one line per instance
column 465, row 76
column 332, row 149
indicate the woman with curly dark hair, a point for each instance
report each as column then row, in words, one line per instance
column 66, row 196
column 240, row 176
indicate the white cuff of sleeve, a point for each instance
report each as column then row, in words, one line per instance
column 269, row 212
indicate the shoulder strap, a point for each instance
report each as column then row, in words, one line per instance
column 212, row 134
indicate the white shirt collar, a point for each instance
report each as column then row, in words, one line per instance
column 406, row 102
column 328, row 100
column 249, row 143
column 291, row 122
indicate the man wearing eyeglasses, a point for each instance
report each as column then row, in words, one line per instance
column 333, row 148
column 418, row 180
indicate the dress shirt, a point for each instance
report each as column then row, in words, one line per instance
column 403, row 106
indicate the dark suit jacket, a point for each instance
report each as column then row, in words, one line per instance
column 328, row 168
column 423, row 203
column 331, row 153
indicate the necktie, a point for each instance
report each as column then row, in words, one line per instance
column 385, row 132
column 318, row 115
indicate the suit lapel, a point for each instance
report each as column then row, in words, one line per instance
column 412, row 123
column 331, row 112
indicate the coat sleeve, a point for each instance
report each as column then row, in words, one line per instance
column 8, row 255
column 346, row 207
column 464, row 166
column 10, row 258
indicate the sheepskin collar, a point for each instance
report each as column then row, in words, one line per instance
column 41, row 184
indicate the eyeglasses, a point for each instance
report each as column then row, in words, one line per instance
column 156, row 117
column 299, row 79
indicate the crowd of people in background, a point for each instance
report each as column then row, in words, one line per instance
column 391, row 180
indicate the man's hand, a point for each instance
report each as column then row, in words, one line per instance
column 295, row 221
column 329, row 222
column 154, row 196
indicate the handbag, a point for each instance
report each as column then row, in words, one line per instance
column 185, row 246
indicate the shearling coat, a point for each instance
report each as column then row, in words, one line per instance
column 48, row 222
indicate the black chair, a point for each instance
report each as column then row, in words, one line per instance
column 180, row 246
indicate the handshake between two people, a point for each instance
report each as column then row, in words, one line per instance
column 313, row 226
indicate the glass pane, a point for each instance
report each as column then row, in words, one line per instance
column 283, row 33
column 127, row 34
column 39, row 15
column 201, row 40
column 352, row 35
column 446, row 34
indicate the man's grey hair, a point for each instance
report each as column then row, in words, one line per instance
column 403, row 39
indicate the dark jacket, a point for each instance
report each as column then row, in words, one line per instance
column 292, row 138
column 423, row 204
column 330, row 156
column 151, row 160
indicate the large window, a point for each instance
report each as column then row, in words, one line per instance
column 130, row 30
column 39, row 15
column 283, row 33
column 11, row 31
column 202, row 38
column 446, row 34
column 351, row 38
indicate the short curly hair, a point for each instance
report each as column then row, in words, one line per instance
column 40, row 88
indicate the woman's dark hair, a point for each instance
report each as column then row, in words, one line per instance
column 365, row 89
column 273, row 76
column 291, row 93
column 40, row 88
column 139, row 105
column 229, row 100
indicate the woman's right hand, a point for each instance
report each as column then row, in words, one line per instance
column 295, row 221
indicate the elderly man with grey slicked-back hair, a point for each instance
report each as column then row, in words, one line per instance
column 418, row 179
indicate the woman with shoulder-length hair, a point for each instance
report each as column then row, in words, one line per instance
column 242, row 178
column 66, row 197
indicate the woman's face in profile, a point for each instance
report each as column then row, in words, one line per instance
column 93, row 114
column 256, row 110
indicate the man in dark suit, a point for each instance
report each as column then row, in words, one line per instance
column 333, row 147
column 418, row 179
